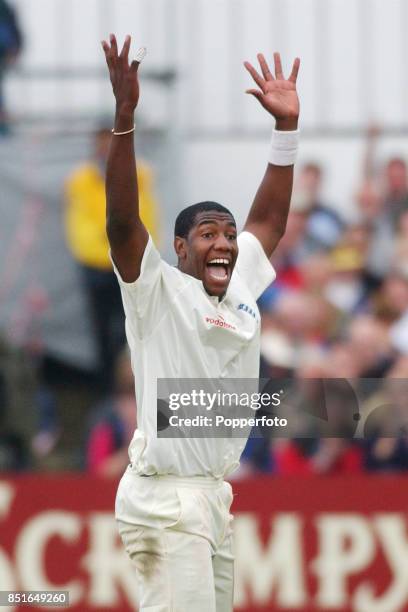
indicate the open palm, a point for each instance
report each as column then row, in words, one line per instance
column 123, row 76
column 276, row 94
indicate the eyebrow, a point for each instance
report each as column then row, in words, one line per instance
column 214, row 222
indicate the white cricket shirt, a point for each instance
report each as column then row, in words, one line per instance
column 176, row 330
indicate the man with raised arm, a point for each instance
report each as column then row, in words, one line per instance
column 196, row 321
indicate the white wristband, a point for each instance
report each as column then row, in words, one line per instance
column 284, row 148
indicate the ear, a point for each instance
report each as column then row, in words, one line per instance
column 180, row 247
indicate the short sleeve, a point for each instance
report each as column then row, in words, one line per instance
column 253, row 266
column 137, row 296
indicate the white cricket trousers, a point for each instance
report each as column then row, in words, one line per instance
column 178, row 533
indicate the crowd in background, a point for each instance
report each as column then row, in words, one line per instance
column 338, row 310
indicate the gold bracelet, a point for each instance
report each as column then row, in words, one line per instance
column 123, row 133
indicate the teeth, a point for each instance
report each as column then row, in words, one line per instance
column 220, row 261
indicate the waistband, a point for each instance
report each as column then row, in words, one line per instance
column 206, row 482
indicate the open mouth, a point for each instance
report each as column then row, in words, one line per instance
column 219, row 269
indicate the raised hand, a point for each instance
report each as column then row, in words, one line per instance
column 123, row 76
column 276, row 94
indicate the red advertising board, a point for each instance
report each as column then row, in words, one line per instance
column 310, row 544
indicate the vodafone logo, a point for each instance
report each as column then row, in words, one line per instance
column 220, row 322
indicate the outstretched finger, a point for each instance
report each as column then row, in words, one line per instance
column 278, row 66
column 268, row 76
column 105, row 47
column 295, row 70
column 124, row 54
column 114, row 46
column 108, row 55
column 255, row 75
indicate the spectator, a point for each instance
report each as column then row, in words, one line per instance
column 391, row 300
column 324, row 224
column 386, row 422
column 369, row 340
column 304, row 456
column 316, row 272
column 87, row 240
column 368, row 200
column 286, row 260
column 307, row 320
column 383, row 199
column 346, row 290
column 396, row 189
column 399, row 261
column 11, row 42
column 321, row 415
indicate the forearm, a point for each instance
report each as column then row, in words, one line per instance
column 122, row 207
column 127, row 235
column 271, row 203
column 269, row 212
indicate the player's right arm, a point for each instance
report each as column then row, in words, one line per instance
column 126, row 233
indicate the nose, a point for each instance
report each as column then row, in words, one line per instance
column 222, row 243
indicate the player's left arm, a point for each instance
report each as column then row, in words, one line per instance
column 269, row 212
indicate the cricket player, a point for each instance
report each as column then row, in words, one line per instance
column 196, row 320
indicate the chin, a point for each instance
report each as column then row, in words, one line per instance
column 216, row 291
column 216, row 287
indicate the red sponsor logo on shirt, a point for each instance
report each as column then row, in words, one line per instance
column 220, row 322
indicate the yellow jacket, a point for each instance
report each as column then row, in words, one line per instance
column 85, row 213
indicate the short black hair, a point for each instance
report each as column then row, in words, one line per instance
column 186, row 218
